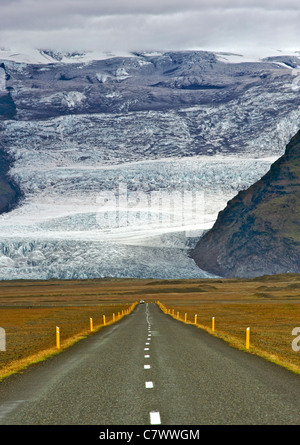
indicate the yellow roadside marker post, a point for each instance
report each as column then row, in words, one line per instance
column 195, row 318
column 91, row 325
column 104, row 321
column 177, row 315
column 213, row 324
column 57, row 337
column 185, row 317
column 114, row 317
column 247, row 338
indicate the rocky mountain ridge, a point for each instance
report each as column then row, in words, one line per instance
column 140, row 82
column 258, row 231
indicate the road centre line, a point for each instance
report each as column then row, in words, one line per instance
column 154, row 415
column 155, row 418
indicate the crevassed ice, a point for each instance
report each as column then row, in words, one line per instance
column 2, row 79
column 104, row 196
column 62, row 229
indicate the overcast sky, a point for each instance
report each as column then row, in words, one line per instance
column 129, row 25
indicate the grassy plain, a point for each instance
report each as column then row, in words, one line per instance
column 30, row 310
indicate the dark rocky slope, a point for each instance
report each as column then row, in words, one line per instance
column 259, row 230
column 10, row 193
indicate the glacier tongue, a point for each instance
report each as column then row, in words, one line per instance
column 74, row 259
column 61, row 230
column 65, row 229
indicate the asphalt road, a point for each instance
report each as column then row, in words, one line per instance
column 191, row 378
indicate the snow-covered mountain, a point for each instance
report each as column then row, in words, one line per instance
column 34, row 56
column 29, row 55
column 123, row 160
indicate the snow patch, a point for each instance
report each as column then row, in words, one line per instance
column 121, row 74
column 2, row 79
column 253, row 56
column 30, row 55
column 73, row 99
column 102, row 77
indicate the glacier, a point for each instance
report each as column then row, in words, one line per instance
column 128, row 193
column 58, row 230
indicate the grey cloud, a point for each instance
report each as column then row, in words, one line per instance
column 159, row 24
column 34, row 14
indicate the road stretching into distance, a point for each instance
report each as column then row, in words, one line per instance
column 151, row 369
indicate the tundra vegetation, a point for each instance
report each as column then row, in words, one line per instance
column 30, row 311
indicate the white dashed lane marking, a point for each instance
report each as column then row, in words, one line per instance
column 155, row 418
column 154, row 415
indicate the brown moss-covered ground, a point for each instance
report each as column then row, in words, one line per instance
column 270, row 306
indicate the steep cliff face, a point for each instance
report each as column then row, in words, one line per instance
column 259, row 230
column 10, row 193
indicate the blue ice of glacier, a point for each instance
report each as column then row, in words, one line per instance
column 59, row 231
column 74, row 220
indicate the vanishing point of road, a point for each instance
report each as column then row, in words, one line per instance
column 151, row 369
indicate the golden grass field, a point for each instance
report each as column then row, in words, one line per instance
column 30, row 311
